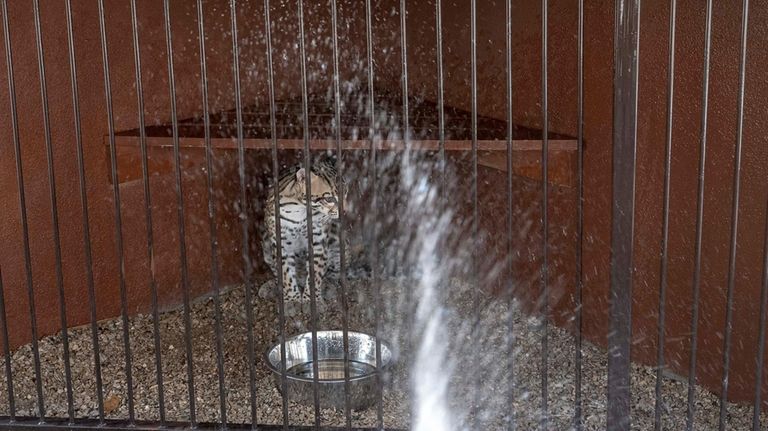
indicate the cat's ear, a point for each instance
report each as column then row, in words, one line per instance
column 300, row 175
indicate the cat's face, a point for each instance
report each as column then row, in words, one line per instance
column 324, row 199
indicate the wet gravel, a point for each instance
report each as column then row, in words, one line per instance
column 477, row 395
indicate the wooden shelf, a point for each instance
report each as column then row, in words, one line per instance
column 330, row 144
column 492, row 135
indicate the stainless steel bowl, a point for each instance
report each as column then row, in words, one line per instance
column 330, row 351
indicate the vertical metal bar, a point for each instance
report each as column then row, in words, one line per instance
column 276, row 181
column 734, row 219
column 761, row 333
column 84, row 209
column 7, row 353
column 148, row 213
column 180, row 214
column 374, row 209
column 404, row 72
column 342, row 194
column 577, row 413
column 310, row 231
column 118, row 215
column 512, row 421
column 440, row 92
column 214, row 240
column 699, row 220
column 245, row 219
column 544, row 221
column 54, row 208
column 626, row 52
column 473, row 190
column 22, row 209
column 409, row 324
column 664, row 273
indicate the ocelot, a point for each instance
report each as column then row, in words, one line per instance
column 324, row 201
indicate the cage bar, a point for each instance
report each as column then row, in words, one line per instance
column 22, row 208
column 342, row 194
column 699, row 221
column 84, row 210
column 734, row 218
column 440, row 92
column 212, row 219
column 577, row 412
column 245, row 218
column 180, row 215
column 148, row 213
column 664, row 260
column 276, row 177
column 544, row 221
column 118, row 214
column 512, row 420
column 409, row 326
column 54, row 208
column 475, row 228
column 626, row 53
column 375, row 210
column 311, row 284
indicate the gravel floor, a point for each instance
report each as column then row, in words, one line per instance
column 478, row 345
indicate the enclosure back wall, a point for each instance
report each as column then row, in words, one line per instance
column 422, row 81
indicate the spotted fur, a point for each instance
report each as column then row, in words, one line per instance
column 293, row 229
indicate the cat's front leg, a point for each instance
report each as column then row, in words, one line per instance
column 291, row 291
column 319, row 264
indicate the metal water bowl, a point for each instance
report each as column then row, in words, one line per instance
column 300, row 368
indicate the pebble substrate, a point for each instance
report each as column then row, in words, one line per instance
column 477, row 359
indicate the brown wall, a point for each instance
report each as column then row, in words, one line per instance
column 527, row 93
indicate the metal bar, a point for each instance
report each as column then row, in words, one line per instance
column 245, row 219
column 148, row 213
column 404, row 70
column 212, row 219
column 512, row 417
column 22, row 209
column 473, row 191
column 180, row 214
column 544, row 221
column 118, row 215
column 374, row 210
column 626, row 52
column 734, row 219
column 761, row 333
column 341, row 200
column 121, row 425
column 279, row 248
column 409, row 324
column 577, row 411
column 86, row 218
column 440, row 93
column 54, row 208
column 664, row 262
column 699, row 221
column 7, row 353
column 311, row 284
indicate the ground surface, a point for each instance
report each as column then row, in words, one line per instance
column 478, row 356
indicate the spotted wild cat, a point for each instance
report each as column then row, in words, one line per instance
column 293, row 235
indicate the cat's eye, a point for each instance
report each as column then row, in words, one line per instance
column 329, row 200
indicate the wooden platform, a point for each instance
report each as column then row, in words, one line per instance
column 492, row 135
